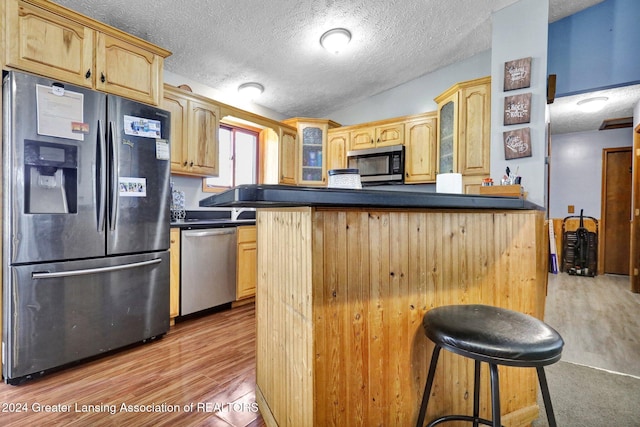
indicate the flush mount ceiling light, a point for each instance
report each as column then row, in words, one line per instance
column 250, row 90
column 335, row 40
column 592, row 104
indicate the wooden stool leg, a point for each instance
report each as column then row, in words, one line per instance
column 428, row 385
column 546, row 398
column 495, row 395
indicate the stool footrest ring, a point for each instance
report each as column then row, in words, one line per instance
column 469, row 418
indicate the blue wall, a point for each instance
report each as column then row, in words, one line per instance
column 596, row 48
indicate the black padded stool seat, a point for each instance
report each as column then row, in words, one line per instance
column 494, row 335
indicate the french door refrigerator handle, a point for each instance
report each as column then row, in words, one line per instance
column 97, row 270
column 113, row 170
column 102, row 177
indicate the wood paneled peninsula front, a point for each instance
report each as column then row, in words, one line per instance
column 344, row 279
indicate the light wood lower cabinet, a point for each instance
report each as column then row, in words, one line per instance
column 174, row 287
column 246, row 274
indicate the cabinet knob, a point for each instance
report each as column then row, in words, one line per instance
column 191, row 164
column 407, row 174
column 372, row 140
column 185, row 163
column 103, row 78
column 88, row 74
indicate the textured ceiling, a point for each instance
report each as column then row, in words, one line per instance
column 565, row 116
column 228, row 42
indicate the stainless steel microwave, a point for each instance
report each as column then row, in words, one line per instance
column 382, row 165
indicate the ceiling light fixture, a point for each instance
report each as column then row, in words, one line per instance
column 250, row 90
column 335, row 40
column 592, row 104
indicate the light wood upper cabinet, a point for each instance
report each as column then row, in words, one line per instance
column 420, row 149
column 174, row 281
column 48, row 44
column 177, row 105
column 288, row 158
column 310, row 152
column 247, row 262
column 337, row 146
column 203, row 138
column 391, row 134
column 194, row 132
column 377, row 136
column 464, row 128
column 127, row 70
column 362, row 138
column 50, row 40
column 475, row 129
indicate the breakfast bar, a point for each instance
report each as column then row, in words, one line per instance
column 344, row 280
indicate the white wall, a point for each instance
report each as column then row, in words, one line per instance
column 520, row 31
column 416, row 96
column 576, row 169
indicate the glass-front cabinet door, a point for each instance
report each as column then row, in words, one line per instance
column 447, row 135
column 311, row 143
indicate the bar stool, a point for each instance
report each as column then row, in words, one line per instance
column 494, row 335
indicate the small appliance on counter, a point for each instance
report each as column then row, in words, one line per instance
column 344, row 178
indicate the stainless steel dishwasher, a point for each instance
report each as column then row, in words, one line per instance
column 208, row 270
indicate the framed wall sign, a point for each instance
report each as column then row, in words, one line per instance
column 517, row 143
column 517, row 109
column 517, row 74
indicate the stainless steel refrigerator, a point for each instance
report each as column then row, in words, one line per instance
column 85, row 224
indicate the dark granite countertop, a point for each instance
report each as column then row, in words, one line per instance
column 213, row 219
column 289, row 196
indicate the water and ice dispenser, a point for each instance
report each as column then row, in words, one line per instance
column 50, row 177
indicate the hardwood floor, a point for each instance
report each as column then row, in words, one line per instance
column 599, row 320
column 207, row 362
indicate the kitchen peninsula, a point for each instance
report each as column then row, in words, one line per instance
column 344, row 279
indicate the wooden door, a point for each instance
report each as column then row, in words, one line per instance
column 616, row 210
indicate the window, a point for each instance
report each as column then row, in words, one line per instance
column 238, row 158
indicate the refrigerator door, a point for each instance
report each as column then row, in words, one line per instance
column 139, row 192
column 68, row 311
column 53, row 181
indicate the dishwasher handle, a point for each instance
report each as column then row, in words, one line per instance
column 209, row 232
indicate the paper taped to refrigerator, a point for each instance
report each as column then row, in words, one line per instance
column 132, row 187
column 139, row 126
column 60, row 112
column 162, row 149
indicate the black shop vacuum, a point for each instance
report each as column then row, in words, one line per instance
column 580, row 247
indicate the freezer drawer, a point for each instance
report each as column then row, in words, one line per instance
column 208, row 270
column 57, row 313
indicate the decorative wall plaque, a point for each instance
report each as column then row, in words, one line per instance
column 517, row 143
column 517, row 74
column 517, row 109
